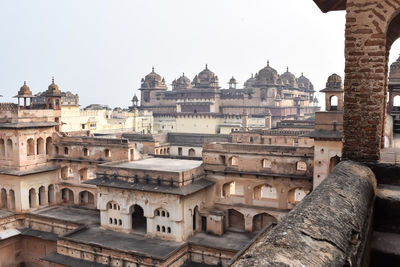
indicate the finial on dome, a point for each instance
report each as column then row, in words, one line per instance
column 268, row 63
column 52, row 79
column 24, row 82
column 287, row 69
column 252, row 75
column 152, row 69
column 183, row 74
column 302, row 74
column 206, row 66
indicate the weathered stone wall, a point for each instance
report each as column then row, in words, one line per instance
column 328, row 228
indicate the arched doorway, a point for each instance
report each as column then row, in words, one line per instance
column 196, row 220
column 192, row 152
column 333, row 162
column 86, row 198
column 32, row 198
column 42, row 196
column 40, row 146
column 139, row 221
column 67, row 196
column 236, row 220
column 3, row 198
column 51, row 194
column 2, row 148
column 262, row 220
column 12, row 199
column 49, row 146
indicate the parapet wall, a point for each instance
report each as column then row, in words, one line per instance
column 328, row 228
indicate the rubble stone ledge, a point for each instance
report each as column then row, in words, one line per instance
column 328, row 228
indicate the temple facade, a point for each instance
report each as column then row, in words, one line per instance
column 202, row 106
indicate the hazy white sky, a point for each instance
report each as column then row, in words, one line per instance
column 101, row 49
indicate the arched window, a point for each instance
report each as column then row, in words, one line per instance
column 233, row 161
column 333, row 102
column 169, row 230
column 163, row 229
column 301, row 166
column 86, row 152
column 66, row 150
column 192, row 152
column 158, row 228
column 107, row 153
column 83, row 174
column 266, row 163
column 265, row 192
column 30, row 147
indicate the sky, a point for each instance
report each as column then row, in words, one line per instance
column 101, row 49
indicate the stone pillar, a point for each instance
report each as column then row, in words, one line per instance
column 245, row 120
column 282, row 194
column 371, row 28
column 268, row 120
column 248, row 223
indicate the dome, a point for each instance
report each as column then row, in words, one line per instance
column 182, row 82
column 53, row 89
column 206, row 79
column 289, row 78
column 153, row 81
column 395, row 70
column 304, row 82
column 24, row 91
column 334, row 83
column 250, row 82
column 232, row 83
column 267, row 75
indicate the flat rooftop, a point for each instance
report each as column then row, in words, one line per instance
column 134, row 243
column 76, row 215
column 5, row 213
column 229, row 240
column 160, row 164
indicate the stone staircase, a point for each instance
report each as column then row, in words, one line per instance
column 385, row 241
column 396, row 119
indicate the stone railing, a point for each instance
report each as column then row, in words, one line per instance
column 329, row 227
